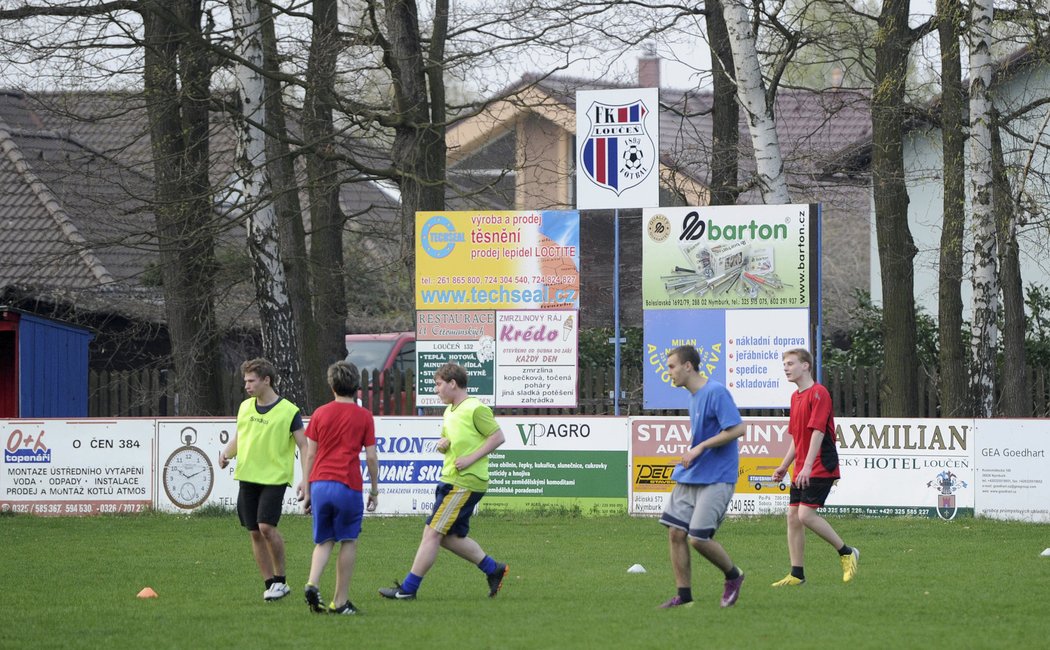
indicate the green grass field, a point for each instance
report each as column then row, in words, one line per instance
column 922, row 583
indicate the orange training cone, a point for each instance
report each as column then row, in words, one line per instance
column 147, row 592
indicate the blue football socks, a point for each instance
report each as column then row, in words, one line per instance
column 411, row 583
column 488, row 565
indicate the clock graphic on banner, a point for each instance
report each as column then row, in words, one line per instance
column 188, row 474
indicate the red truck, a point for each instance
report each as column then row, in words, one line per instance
column 392, row 350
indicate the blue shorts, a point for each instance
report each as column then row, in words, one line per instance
column 453, row 507
column 338, row 511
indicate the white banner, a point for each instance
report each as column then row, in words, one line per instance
column 188, row 474
column 890, row 466
column 409, row 464
column 657, row 444
column 77, row 467
column 905, row 467
column 618, row 148
column 1011, row 477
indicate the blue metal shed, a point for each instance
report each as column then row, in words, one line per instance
column 43, row 367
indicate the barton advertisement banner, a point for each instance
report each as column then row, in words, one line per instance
column 737, row 282
column 727, row 257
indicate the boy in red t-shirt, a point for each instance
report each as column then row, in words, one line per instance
column 337, row 433
column 812, row 429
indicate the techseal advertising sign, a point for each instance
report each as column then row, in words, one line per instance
column 657, row 445
column 498, row 293
column 498, row 260
column 905, row 467
column 617, row 132
column 735, row 282
column 563, row 462
column 1010, row 478
column 82, row 467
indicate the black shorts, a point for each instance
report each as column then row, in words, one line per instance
column 258, row 504
column 814, row 495
column 453, row 507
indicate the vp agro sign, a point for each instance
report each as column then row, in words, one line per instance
column 563, row 433
column 562, row 462
column 534, row 433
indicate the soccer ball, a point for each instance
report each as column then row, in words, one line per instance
column 633, row 157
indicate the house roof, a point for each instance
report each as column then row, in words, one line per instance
column 813, row 126
column 72, row 218
column 116, row 124
column 76, row 185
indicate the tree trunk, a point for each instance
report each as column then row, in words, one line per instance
column 1015, row 401
column 326, row 216
column 769, row 165
column 418, row 151
column 179, row 141
column 279, row 333
column 895, row 244
column 953, row 381
column 289, row 213
column 985, row 280
column 725, row 112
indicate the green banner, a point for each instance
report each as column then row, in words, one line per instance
column 591, row 481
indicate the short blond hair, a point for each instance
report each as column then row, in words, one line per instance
column 802, row 354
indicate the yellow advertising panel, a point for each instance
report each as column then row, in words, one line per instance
column 498, row 260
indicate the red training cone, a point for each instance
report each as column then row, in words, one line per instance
column 147, row 592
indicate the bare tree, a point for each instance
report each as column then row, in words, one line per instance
column 751, row 94
column 953, row 384
column 1015, row 401
column 176, row 75
column 725, row 117
column 985, row 276
column 324, row 177
column 280, row 334
column 896, row 247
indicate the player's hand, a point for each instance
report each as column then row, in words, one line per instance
column 463, row 462
column 373, row 501
column 443, row 444
column 802, row 477
column 690, row 456
column 223, row 460
column 307, row 505
column 779, row 473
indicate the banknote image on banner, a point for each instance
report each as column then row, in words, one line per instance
column 726, row 257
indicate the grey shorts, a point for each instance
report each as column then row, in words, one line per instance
column 697, row 509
